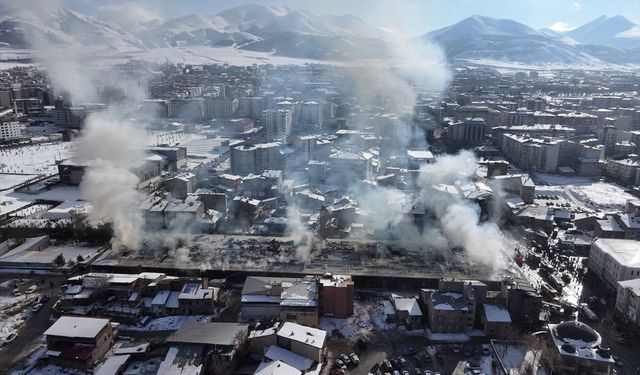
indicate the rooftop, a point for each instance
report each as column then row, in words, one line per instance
column 303, row 334
column 77, row 327
column 625, row 252
column 209, row 333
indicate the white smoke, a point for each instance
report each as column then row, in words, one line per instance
column 459, row 218
column 113, row 148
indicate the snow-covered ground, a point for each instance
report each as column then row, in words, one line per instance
column 34, row 159
column 8, row 181
column 366, row 318
column 584, row 192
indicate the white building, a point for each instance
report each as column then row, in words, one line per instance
column 10, row 130
column 628, row 301
column 531, row 153
column 615, row 260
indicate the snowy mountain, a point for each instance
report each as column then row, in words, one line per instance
column 608, row 31
column 21, row 27
column 279, row 30
column 285, row 32
column 486, row 38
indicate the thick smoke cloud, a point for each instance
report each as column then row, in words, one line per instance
column 110, row 146
column 113, row 148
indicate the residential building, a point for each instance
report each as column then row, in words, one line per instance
column 628, row 301
column 79, row 342
column 336, row 296
column 467, row 133
column 496, row 321
column 577, row 350
column 615, row 260
column 531, row 153
column 287, row 298
column 449, row 311
column 278, row 124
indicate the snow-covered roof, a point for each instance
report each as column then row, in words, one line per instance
column 633, row 285
column 77, row 327
column 276, row 353
column 172, row 301
column 303, row 334
column 161, row 297
column 497, row 314
column 113, row 365
column 625, row 252
column 276, row 368
column 408, row 304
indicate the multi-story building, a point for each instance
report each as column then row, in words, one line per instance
column 449, row 311
column 615, row 260
column 256, row 158
column 624, row 170
column 467, row 133
column 305, row 341
column 278, row 123
column 287, row 298
column 628, row 301
column 531, row 153
column 576, row 348
column 10, row 130
column 32, row 107
column 583, row 122
column 79, row 342
column 336, row 296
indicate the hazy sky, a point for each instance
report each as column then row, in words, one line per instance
column 414, row 16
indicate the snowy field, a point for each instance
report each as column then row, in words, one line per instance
column 197, row 55
column 367, row 317
column 583, row 192
column 34, row 159
column 7, row 180
column 10, row 201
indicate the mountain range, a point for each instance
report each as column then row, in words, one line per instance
column 294, row 33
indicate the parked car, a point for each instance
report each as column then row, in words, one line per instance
column 403, row 362
column 387, row 365
column 32, row 288
column 345, row 359
column 354, row 358
column 340, row 364
column 36, row 307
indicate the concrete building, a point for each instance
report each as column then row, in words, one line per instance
column 278, row 123
column 305, row 341
column 467, row 133
column 79, row 342
column 286, row 298
column 577, row 349
column 336, row 296
column 256, row 158
column 10, row 130
column 624, row 170
column 628, row 302
column 449, row 311
column 531, row 153
column 496, row 321
column 615, row 260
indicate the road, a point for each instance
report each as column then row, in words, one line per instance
column 29, row 335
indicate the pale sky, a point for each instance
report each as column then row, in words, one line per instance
column 415, row 17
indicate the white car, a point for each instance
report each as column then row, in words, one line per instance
column 32, row 288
